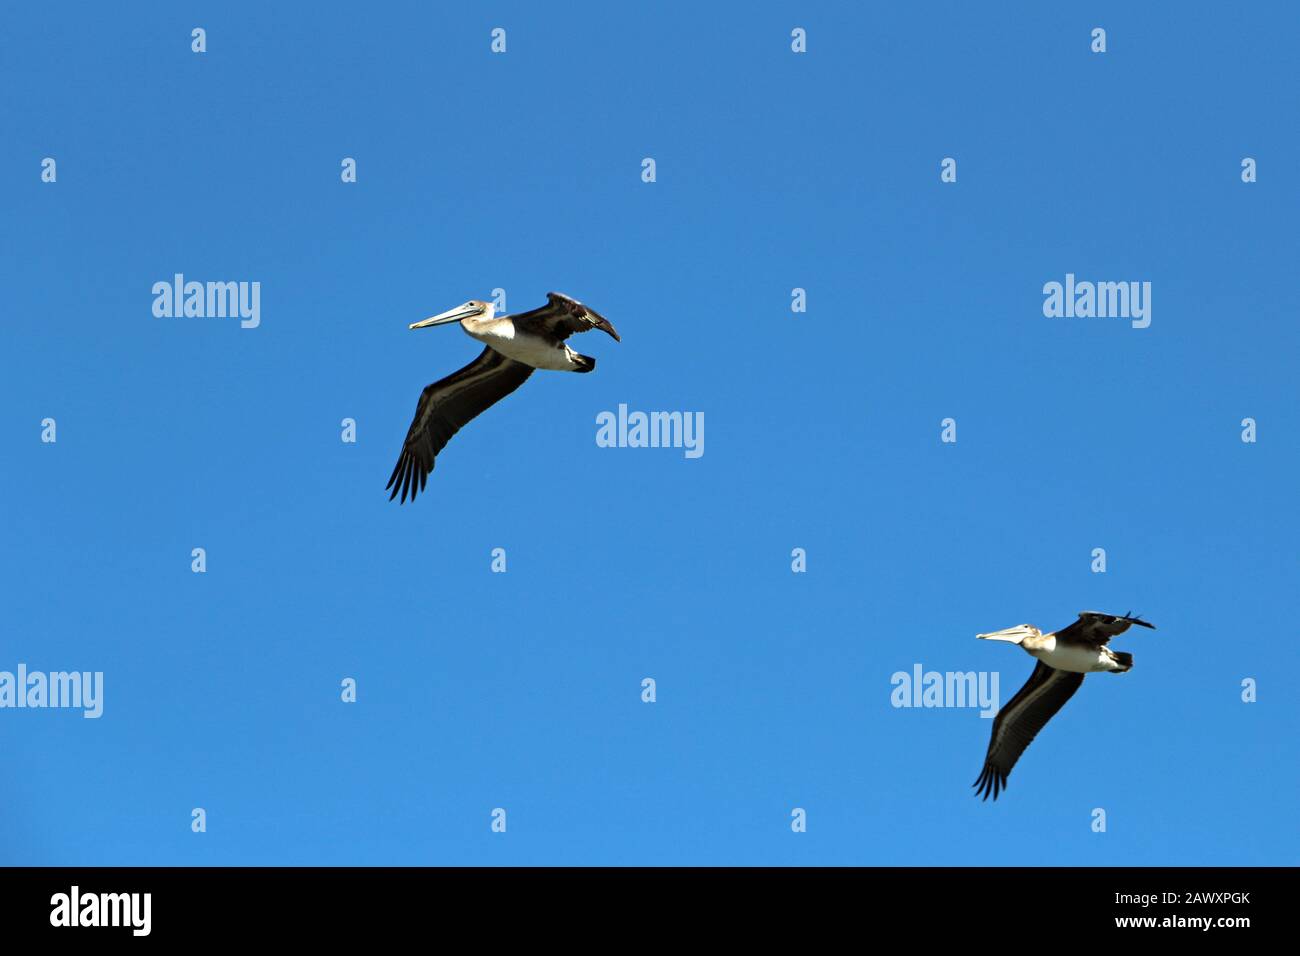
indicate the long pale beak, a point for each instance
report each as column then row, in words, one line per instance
column 451, row 315
column 1012, row 635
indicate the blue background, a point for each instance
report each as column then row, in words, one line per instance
column 522, row 690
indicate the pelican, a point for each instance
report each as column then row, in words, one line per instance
column 515, row 345
column 1063, row 658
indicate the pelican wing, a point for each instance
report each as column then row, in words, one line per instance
column 562, row 317
column 445, row 407
column 1096, row 629
column 1018, row 723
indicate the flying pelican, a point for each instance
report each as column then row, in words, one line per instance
column 516, row 344
column 1063, row 659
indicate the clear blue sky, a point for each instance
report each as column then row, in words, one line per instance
column 522, row 690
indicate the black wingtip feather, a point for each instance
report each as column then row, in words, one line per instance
column 991, row 782
column 1137, row 619
column 392, row 480
column 409, row 477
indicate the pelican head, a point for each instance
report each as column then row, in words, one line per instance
column 1012, row 635
column 473, row 309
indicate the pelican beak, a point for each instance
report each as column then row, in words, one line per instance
column 451, row 315
column 1012, row 635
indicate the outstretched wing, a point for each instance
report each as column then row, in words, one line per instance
column 1018, row 723
column 1096, row 629
column 562, row 317
column 445, row 407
